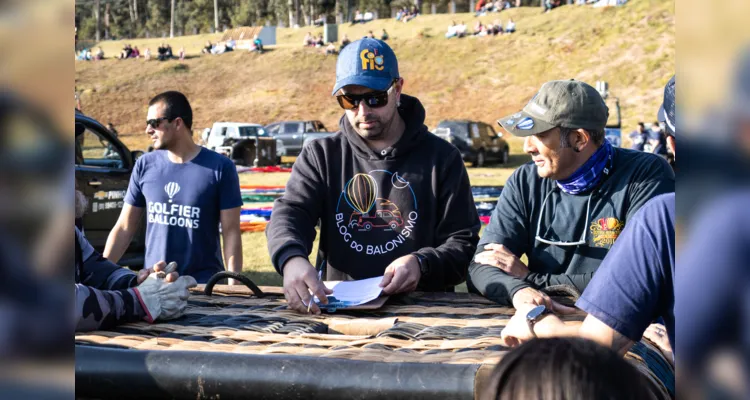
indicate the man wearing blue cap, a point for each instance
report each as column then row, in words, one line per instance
column 634, row 285
column 392, row 199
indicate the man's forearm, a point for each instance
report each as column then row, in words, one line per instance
column 233, row 250
column 591, row 328
column 117, row 242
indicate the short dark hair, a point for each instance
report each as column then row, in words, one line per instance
column 565, row 368
column 641, row 124
column 176, row 105
column 597, row 135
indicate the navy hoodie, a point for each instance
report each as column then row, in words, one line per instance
column 374, row 207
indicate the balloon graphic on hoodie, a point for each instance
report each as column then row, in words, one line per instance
column 361, row 192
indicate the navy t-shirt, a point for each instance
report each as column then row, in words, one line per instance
column 713, row 307
column 183, row 204
column 635, row 283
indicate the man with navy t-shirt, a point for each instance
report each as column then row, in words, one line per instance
column 185, row 191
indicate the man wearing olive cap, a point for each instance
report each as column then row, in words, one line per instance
column 565, row 208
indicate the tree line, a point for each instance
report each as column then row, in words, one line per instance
column 120, row 19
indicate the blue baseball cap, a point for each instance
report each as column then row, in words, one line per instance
column 366, row 62
column 667, row 112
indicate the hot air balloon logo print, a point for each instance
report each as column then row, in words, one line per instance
column 361, row 192
column 606, row 230
column 172, row 188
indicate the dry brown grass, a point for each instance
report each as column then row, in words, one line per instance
column 632, row 47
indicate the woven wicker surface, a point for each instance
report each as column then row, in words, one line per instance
column 454, row 328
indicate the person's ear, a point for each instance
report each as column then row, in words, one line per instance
column 579, row 140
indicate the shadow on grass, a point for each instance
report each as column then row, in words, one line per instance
column 264, row 278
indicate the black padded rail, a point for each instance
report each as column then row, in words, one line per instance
column 140, row 374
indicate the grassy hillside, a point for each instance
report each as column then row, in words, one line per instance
column 632, row 47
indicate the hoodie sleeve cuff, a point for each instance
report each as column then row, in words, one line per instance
column 283, row 255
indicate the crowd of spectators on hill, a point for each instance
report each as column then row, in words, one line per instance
column 407, row 14
column 484, row 6
column 496, row 28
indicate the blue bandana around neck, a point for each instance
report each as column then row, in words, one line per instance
column 590, row 173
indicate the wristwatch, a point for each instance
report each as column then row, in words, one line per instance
column 534, row 315
column 424, row 267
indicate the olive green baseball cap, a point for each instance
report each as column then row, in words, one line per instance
column 570, row 104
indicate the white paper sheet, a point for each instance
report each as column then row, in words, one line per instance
column 352, row 293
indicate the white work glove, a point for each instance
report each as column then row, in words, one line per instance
column 164, row 300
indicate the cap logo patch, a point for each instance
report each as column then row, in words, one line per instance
column 371, row 61
column 510, row 122
column 525, row 124
column 537, row 108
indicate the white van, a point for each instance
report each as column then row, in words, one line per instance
column 221, row 131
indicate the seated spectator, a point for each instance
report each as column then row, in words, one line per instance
column 370, row 35
column 309, row 40
column 319, row 42
column 125, row 52
column 320, row 21
column 358, row 18
column 451, row 30
column 147, row 54
column 135, row 53
column 400, row 14
column 367, row 17
column 331, row 49
column 345, row 41
column 384, row 36
column 162, row 52
column 478, row 28
column 479, row 9
column 207, row 48
column 99, row 55
column 488, row 30
column 461, row 30
column 573, row 368
column 231, row 43
column 182, row 53
column 413, row 13
column 507, row 5
column 168, row 53
column 219, row 48
column 510, row 27
column 497, row 27
column 81, row 55
column 551, row 4
column 257, row 45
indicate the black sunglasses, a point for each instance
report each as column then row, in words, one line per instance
column 154, row 123
column 372, row 99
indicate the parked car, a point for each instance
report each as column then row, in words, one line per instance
column 478, row 142
column 238, row 141
column 103, row 165
column 293, row 134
